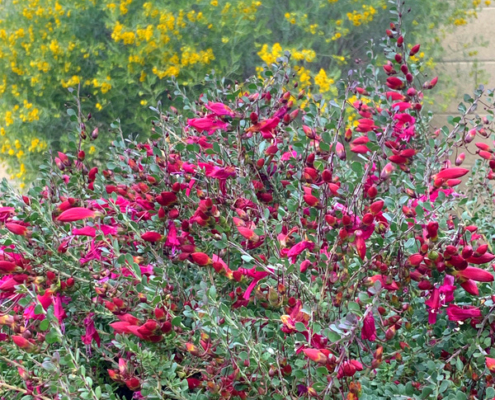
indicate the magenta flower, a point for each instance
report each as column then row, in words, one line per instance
column 369, row 329
column 457, row 313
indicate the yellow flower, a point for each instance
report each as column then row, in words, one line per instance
column 144, row 102
column 98, row 106
column 105, row 87
column 92, row 150
column 214, row 3
column 323, row 81
column 9, row 119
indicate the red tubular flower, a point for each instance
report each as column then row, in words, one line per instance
column 416, row 259
column 451, row 173
column 304, row 266
column 360, row 244
column 193, row 383
column 114, row 375
column 201, row 259
column 24, row 343
column 394, row 83
column 394, row 96
column 17, row 229
column 376, row 207
column 396, row 159
column 219, row 109
column 311, row 200
column 387, row 171
column 121, row 326
column 485, row 155
column 484, row 258
column 434, row 303
column 151, row 237
column 7, row 267
column 476, row 274
column 360, row 149
column 298, row 249
column 471, row 287
column 166, row 199
column 482, row 146
column 86, row 231
column 432, row 229
column 192, row 349
column 369, row 329
column 248, row 234
column 76, row 214
column 133, row 383
column 490, row 364
column 340, row 151
column 316, row 356
column 209, row 124
column 457, row 313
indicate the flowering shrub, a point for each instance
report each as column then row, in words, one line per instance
column 122, row 53
column 251, row 249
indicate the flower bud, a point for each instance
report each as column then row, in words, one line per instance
column 414, row 50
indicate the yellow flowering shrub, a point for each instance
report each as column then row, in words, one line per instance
column 119, row 53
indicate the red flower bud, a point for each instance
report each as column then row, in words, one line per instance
column 376, row 207
column 394, row 83
column 387, row 171
column 133, row 384
column 372, row 192
column 414, row 50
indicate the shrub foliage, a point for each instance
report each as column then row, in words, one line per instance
column 254, row 249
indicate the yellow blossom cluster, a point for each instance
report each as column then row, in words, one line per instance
column 364, row 17
column 323, row 81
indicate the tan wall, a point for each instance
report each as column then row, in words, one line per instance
column 467, row 70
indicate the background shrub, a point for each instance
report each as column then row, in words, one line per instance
column 122, row 53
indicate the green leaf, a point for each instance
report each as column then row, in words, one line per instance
column 300, row 327
column 51, row 337
column 461, row 396
column 409, row 389
column 44, row 325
